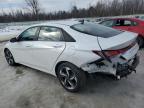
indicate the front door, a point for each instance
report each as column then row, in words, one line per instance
column 22, row 49
column 46, row 50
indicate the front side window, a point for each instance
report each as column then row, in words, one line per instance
column 50, row 34
column 96, row 30
column 124, row 23
column 29, row 34
column 108, row 23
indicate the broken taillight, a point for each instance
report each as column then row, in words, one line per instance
column 108, row 53
column 111, row 53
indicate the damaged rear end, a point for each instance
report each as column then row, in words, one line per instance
column 118, row 55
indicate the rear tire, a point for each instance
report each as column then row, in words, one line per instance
column 71, row 77
column 140, row 41
column 9, row 57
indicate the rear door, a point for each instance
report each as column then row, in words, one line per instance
column 134, row 27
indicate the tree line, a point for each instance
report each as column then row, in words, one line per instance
column 99, row 9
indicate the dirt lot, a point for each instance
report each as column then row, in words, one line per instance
column 23, row 87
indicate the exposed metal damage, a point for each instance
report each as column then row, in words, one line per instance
column 119, row 66
column 100, row 66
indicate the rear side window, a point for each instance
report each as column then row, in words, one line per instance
column 50, row 34
column 123, row 23
column 96, row 30
column 67, row 37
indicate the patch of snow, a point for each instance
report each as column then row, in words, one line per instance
column 6, row 33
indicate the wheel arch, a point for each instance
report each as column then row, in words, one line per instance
column 61, row 62
column 58, row 64
column 10, row 51
column 5, row 49
column 141, row 37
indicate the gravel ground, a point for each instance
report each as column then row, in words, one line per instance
column 23, row 87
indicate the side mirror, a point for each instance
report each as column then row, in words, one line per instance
column 14, row 40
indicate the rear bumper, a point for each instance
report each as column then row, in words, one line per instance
column 120, row 69
column 127, row 68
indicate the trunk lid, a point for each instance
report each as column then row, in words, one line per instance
column 119, row 41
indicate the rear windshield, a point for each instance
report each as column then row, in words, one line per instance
column 95, row 30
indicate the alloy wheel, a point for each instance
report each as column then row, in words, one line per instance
column 68, row 78
column 9, row 57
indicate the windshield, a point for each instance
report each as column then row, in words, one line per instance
column 95, row 29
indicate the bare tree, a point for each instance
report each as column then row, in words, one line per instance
column 101, row 8
column 33, row 6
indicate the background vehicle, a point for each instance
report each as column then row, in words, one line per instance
column 71, row 50
column 128, row 24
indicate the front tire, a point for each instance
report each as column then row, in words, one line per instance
column 71, row 77
column 9, row 57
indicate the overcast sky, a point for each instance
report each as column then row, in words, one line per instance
column 47, row 5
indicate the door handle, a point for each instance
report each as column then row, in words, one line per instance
column 57, row 46
column 28, row 46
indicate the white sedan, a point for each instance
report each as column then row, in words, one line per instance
column 72, row 50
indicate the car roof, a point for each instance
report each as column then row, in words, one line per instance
column 59, row 23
